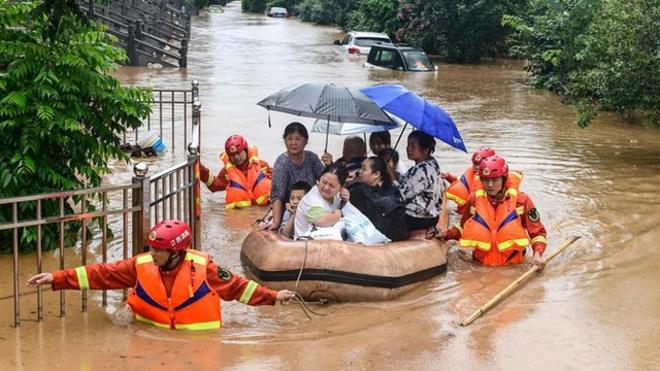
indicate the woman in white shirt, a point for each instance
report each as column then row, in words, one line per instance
column 321, row 205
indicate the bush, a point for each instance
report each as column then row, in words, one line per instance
column 374, row 16
column 61, row 112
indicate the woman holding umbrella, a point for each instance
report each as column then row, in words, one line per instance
column 421, row 187
column 290, row 167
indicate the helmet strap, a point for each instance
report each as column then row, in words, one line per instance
column 172, row 261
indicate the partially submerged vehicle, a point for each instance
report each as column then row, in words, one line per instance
column 278, row 12
column 361, row 42
column 400, row 58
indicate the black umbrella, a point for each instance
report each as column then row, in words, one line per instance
column 326, row 101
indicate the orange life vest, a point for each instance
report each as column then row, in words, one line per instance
column 496, row 233
column 245, row 190
column 459, row 191
column 192, row 304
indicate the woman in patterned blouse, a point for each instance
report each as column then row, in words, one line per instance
column 421, row 186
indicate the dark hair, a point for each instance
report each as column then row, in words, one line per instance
column 354, row 147
column 388, row 154
column 382, row 136
column 425, row 141
column 378, row 164
column 301, row 185
column 338, row 169
column 295, row 127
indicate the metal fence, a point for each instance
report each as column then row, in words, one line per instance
column 92, row 212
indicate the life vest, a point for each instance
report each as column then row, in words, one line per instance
column 459, row 191
column 192, row 304
column 496, row 233
column 245, row 190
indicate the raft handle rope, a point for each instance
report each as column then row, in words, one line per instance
column 298, row 299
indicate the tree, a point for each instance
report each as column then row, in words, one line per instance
column 61, row 112
column 374, row 16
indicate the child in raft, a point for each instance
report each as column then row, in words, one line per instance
column 296, row 193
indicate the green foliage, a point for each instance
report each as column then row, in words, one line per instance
column 374, row 16
column 253, row 6
column 603, row 54
column 459, row 30
column 325, row 11
column 61, row 113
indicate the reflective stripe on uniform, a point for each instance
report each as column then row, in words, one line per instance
column 522, row 242
column 480, row 193
column 150, row 322
column 248, row 292
column 520, row 210
column 459, row 227
column 199, row 326
column 81, row 274
column 473, row 210
column 195, row 258
column 455, row 198
column 483, row 245
column 262, row 198
column 142, row 259
column 540, row 239
column 512, row 191
column 239, row 204
column 210, row 180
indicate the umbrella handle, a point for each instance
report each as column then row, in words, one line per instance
column 327, row 133
column 400, row 135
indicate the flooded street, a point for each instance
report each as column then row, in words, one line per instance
column 595, row 307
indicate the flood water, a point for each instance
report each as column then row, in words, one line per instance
column 595, row 307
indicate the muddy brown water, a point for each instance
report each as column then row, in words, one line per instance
column 597, row 306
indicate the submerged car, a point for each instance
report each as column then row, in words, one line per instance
column 361, row 42
column 278, row 12
column 400, row 58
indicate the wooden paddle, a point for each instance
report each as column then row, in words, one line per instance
column 515, row 284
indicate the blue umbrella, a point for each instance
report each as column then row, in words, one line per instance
column 417, row 111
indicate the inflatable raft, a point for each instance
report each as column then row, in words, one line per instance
column 340, row 271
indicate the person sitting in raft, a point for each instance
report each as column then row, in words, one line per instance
column 292, row 166
column 173, row 286
column 421, row 187
column 382, row 141
column 321, row 207
column 391, row 158
column 354, row 152
column 499, row 221
column 374, row 195
column 297, row 192
column 245, row 177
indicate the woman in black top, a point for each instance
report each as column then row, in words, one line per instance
column 375, row 197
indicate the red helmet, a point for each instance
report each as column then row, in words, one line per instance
column 493, row 167
column 171, row 235
column 235, row 144
column 481, row 154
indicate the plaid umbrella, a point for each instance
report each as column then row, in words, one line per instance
column 326, row 101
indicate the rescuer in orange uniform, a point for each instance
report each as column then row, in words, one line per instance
column 173, row 286
column 245, row 177
column 499, row 221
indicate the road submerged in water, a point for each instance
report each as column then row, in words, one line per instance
column 594, row 307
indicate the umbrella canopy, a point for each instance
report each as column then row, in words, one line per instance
column 417, row 111
column 326, row 101
column 349, row 128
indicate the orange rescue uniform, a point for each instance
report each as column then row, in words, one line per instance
column 247, row 184
column 500, row 231
column 186, row 297
column 461, row 188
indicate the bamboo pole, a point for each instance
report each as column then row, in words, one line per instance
column 515, row 284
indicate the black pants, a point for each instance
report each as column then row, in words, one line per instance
column 420, row 223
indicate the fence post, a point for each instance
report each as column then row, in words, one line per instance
column 141, row 198
column 195, row 91
column 131, row 47
column 193, row 155
column 183, row 62
column 90, row 10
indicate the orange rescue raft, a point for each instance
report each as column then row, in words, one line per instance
column 340, row 271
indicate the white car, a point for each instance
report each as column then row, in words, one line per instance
column 360, row 42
